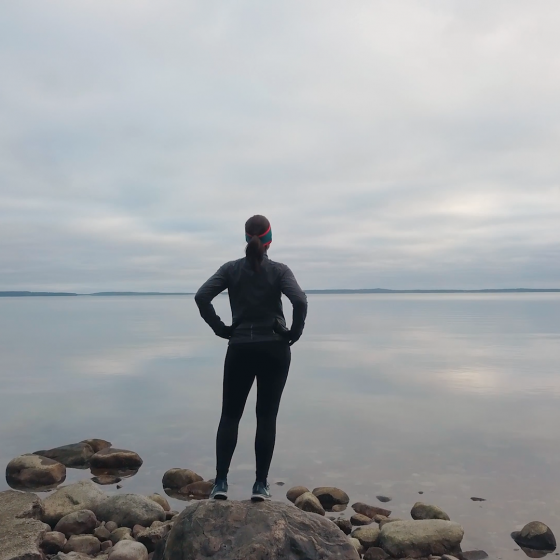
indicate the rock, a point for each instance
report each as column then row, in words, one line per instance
column 370, row 511
column 344, row 525
column 77, row 523
column 137, row 529
column 31, row 471
column 74, row 497
column 330, row 496
column 339, row 507
column 86, row 544
column 535, row 535
column 120, row 534
column 171, row 514
column 446, row 557
column 106, row 546
column 473, row 555
column 384, row 522
column 158, row 499
column 384, row 499
column 375, row 553
column 127, row 510
column 179, row 478
column 97, row 444
column 228, row 530
column 128, row 550
column 426, row 511
column 102, row 533
column 22, row 531
column 415, row 539
column 111, row 458
column 111, row 526
column 151, row 536
column 379, row 518
column 53, row 542
column 309, row 502
column 475, row 499
column 198, row 490
column 119, row 486
column 294, row 493
column 359, row 519
column 368, row 536
column 73, row 455
column 106, row 479
column 279, row 483
column 357, row 545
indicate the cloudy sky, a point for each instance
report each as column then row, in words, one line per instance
column 397, row 144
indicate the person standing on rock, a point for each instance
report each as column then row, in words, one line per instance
column 258, row 348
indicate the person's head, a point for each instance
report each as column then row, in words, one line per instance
column 259, row 237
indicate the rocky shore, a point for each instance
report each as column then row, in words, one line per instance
column 80, row 521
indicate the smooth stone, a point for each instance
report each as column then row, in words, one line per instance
column 111, row 458
column 128, row 550
column 73, row 455
column 106, row 479
column 151, row 536
column 102, row 533
column 137, row 529
column 535, row 535
column 357, row 545
column 74, row 497
column 379, row 518
column 359, row 519
column 294, row 493
column 309, row 502
column 384, row 499
column 106, row 546
column 86, row 544
column 339, row 507
column 158, row 499
column 97, row 444
column 111, row 526
column 384, row 522
column 242, row 529
column 179, row 478
column 33, row 472
column 280, row 483
column 128, row 510
column 370, row 511
column 368, row 536
column 77, row 523
column 375, row 553
column 122, row 533
column 198, row 490
column 53, row 542
column 330, row 496
column 416, row 539
column 171, row 514
column 344, row 525
column 446, row 557
column 427, row 511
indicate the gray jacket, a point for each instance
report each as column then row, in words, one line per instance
column 255, row 300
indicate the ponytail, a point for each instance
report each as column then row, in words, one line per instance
column 258, row 236
column 255, row 252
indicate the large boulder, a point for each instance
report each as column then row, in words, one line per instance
column 114, row 459
column 128, row 510
column 73, row 455
column 427, row 511
column 34, row 472
column 74, row 497
column 22, row 531
column 265, row 530
column 77, row 523
column 535, row 535
column 330, row 496
column 179, row 478
column 415, row 539
column 370, row 511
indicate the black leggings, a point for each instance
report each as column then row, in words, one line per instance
column 269, row 362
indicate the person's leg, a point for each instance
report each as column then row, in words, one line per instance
column 238, row 379
column 274, row 365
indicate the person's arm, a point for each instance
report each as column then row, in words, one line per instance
column 206, row 293
column 290, row 288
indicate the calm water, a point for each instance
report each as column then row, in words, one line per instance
column 455, row 396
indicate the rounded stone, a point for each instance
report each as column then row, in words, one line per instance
column 97, row 444
column 179, row 478
column 427, row 511
column 114, row 459
column 344, row 525
column 128, row 550
column 309, row 502
column 128, row 510
column 375, row 553
column 368, row 536
column 330, row 496
column 120, row 534
column 370, row 511
column 77, row 523
column 357, row 545
column 294, row 493
column 102, row 533
column 198, row 490
column 86, row 544
column 75, row 455
column 106, row 479
column 535, row 535
column 158, row 499
column 32, row 472
column 359, row 519
column 53, row 542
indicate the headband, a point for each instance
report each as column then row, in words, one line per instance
column 265, row 237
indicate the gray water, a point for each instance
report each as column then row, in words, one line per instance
column 455, row 396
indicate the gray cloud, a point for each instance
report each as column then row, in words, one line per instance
column 394, row 144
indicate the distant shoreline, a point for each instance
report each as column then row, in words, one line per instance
column 339, row 292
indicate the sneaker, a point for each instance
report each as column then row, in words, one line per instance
column 219, row 491
column 261, row 492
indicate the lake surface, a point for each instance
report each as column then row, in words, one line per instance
column 455, row 396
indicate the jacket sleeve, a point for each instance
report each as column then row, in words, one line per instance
column 206, row 293
column 290, row 288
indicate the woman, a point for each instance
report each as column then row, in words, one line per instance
column 259, row 347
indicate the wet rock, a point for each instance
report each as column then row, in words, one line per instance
column 535, row 535
column 370, row 511
column 309, row 502
column 128, row 550
column 128, row 510
column 74, row 455
column 375, row 553
column 97, row 444
column 121, row 534
column 426, row 511
column 384, row 522
column 344, row 525
column 280, row 483
column 86, row 544
column 198, row 490
column 474, row 499
column 34, row 472
column 106, row 479
column 379, row 518
column 158, row 499
column 384, row 499
column 111, row 458
column 359, row 519
column 153, row 535
column 74, row 497
column 357, row 545
column 102, row 533
column 416, row 539
column 179, row 478
column 53, row 542
column 339, row 507
column 232, row 529
column 473, row 555
column 77, row 523
column 294, row 493
column 330, row 496
column 368, row 536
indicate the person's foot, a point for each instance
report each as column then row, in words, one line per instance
column 261, row 492
column 219, row 491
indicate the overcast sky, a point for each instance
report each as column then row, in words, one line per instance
column 391, row 144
